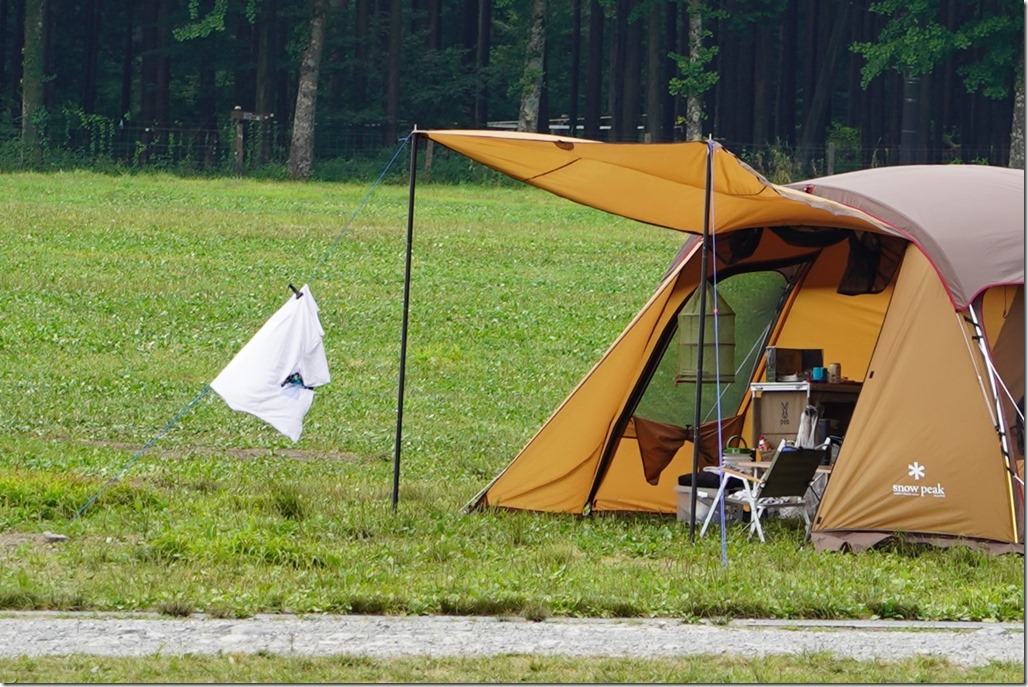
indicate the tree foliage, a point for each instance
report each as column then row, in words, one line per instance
column 916, row 39
column 760, row 75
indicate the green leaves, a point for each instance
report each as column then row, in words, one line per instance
column 917, row 37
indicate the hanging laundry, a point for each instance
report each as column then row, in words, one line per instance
column 274, row 375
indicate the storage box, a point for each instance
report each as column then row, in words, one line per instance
column 782, row 362
column 780, row 414
column 704, row 499
column 704, row 502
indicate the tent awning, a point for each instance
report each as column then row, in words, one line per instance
column 657, row 183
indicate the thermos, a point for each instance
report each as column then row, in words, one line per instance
column 834, row 373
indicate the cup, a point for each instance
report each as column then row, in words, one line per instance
column 818, row 374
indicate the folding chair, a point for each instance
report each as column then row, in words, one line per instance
column 783, row 484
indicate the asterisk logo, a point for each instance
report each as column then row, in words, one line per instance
column 915, row 470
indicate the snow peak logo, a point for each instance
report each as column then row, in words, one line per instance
column 917, row 472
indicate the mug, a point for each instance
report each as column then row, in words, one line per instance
column 818, row 374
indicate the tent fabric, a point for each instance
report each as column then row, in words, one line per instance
column 659, row 442
column 957, row 214
column 659, row 183
column 580, row 428
column 923, row 454
column 916, row 464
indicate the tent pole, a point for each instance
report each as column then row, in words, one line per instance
column 406, row 316
column 700, row 334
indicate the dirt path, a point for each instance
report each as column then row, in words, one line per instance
column 38, row 634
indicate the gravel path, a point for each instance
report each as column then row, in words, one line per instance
column 39, row 634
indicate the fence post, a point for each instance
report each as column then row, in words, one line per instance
column 237, row 146
column 830, row 162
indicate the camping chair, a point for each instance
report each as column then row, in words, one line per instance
column 783, row 484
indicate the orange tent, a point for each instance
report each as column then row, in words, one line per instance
column 911, row 278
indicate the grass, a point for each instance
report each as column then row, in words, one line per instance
column 262, row 668
column 122, row 297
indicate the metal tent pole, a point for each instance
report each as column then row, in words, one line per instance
column 703, row 320
column 406, row 316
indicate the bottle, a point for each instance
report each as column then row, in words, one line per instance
column 761, row 447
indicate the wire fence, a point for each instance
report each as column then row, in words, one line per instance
column 243, row 147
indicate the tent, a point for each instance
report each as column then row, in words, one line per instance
column 910, row 278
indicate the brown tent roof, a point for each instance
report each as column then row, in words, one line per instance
column 968, row 219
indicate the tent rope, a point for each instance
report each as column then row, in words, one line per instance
column 720, row 505
column 207, row 388
column 139, row 454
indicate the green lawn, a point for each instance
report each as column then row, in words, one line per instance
column 123, row 296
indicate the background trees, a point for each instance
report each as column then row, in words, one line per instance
column 146, row 80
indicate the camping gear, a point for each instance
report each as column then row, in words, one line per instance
column 735, row 447
column 784, row 485
column 791, row 364
column 834, row 373
column 911, row 277
column 688, row 340
column 806, row 437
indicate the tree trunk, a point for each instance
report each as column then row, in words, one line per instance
column 694, row 103
column 616, row 77
column 33, row 79
column 576, row 66
column 264, row 101
column 393, row 73
column 632, row 80
column 155, row 73
column 594, row 71
column 91, row 55
column 434, row 20
column 528, row 116
column 1017, row 129
column 127, row 61
column 814, row 125
column 667, row 69
column 362, row 36
column 654, row 81
column 763, row 79
column 785, row 117
column 482, row 50
column 301, row 148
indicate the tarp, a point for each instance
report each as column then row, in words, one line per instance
column 660, row 183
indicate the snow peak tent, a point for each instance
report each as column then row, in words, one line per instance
column 910, row 278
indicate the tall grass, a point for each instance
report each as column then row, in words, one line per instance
column 122, row 297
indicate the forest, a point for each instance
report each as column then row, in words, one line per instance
column 205, row 84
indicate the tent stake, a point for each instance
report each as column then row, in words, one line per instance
column 406, row 316
column 699, row 353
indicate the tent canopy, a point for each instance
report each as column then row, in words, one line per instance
column 660, row 183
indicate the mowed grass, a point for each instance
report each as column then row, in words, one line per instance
column 262, row 668
column 123, row 296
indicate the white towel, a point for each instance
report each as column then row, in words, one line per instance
column 273, row 376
